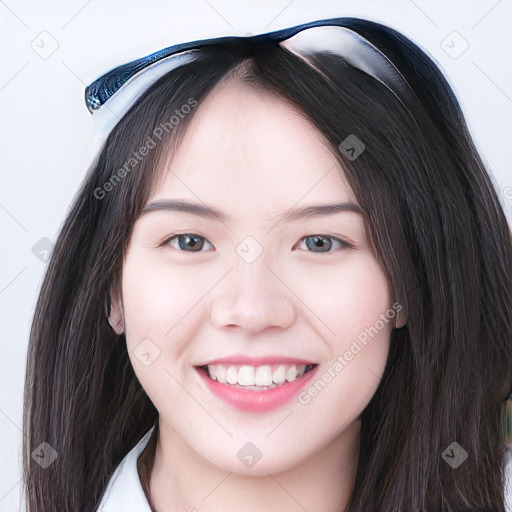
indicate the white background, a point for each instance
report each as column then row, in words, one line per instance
column 49, row 138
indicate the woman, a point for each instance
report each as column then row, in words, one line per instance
column 284, row 285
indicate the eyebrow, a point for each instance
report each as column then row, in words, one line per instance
column 202, row 210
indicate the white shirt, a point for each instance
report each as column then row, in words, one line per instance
column 124, row 491
column 508, row 482
column 125, row 494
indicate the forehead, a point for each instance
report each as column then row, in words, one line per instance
column 248, row 148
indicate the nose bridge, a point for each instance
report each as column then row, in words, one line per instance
column 251, row 296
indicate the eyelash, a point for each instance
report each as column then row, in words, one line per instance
column 343, row 243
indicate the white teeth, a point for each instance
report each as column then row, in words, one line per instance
column 263, row 376
column 279, row 375
column 246, row 376
column 291, row 374
column 231, row 375
column 220, row 373
column 250, row 376
column 212, row 372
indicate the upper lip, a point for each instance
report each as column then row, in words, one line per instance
column 257, row 361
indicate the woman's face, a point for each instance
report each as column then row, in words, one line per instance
column 262, row 293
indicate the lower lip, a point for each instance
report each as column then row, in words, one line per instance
column 251, row 400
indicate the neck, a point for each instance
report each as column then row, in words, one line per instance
column 323, row 482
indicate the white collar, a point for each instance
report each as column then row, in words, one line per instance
column 124, row 492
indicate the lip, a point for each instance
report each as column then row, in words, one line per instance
column 250, row 400
column 257, row 361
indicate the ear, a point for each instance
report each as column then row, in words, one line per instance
column 400, row 312
column 116, row 313
column 400, row 320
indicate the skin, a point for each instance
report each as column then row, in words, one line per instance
column 251, row 155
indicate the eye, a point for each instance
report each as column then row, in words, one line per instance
column 190, row 242
column 187, row 241
column 324, row 243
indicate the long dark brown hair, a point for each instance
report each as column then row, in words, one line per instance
column 435, row 223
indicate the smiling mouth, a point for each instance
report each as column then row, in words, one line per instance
column 257, row 378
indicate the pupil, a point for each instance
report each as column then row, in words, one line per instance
column 317, row 242
column 190, row 242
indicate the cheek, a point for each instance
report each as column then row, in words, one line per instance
column 349, row 298
column 157, row 298
column 355, row 310
column 160, row 303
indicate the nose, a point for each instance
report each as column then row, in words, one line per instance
column 253, row 298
